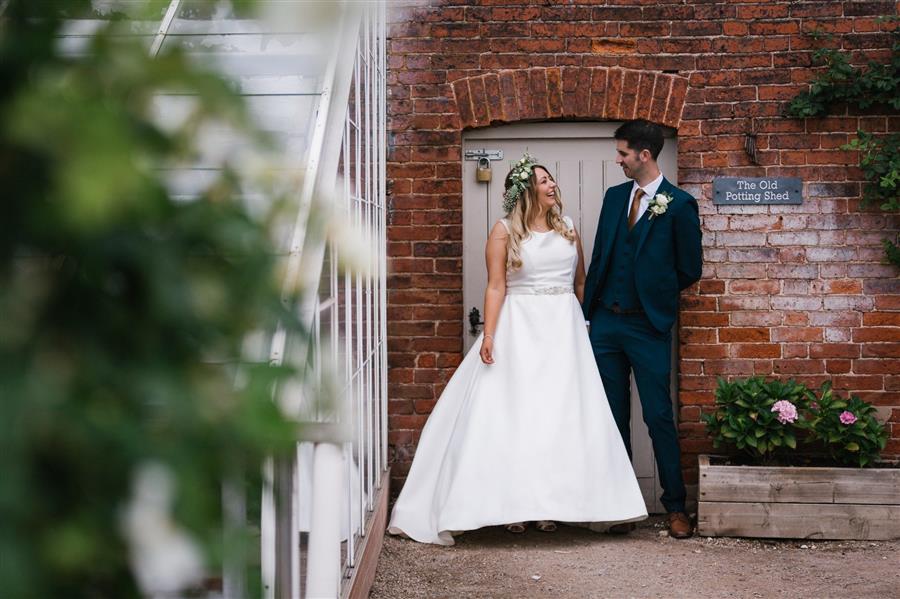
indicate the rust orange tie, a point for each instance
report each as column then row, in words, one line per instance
column 635, row 208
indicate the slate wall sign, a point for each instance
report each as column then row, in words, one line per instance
column 736, row 191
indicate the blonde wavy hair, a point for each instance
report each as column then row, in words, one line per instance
column 524, row 211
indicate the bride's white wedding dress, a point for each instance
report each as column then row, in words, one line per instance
column 530, row 437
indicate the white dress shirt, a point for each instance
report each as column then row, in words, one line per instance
column 649, row 191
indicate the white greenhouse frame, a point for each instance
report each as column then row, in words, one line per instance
column 341, row 457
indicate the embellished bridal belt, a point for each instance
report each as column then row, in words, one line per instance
column 539, row 290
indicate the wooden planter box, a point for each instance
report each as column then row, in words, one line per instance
column 798, row 503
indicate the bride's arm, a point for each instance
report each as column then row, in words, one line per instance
column 495, row 256
column 579, row 270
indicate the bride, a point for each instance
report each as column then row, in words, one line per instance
column 523, row 431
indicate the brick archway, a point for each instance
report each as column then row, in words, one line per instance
column 596, row 93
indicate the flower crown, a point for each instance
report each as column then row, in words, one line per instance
column 519, row 177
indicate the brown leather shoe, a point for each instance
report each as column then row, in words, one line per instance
column 622, row 528
column 680, row 526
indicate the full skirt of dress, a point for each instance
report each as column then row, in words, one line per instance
column 530, row 437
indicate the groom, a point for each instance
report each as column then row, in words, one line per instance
column 646, row 251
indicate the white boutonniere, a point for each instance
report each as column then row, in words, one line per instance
column 659, row 204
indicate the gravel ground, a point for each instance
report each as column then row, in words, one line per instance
column 575, row 562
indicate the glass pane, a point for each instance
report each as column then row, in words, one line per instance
column 286, row 37
column 101, row 9
column 238, row 56
column 344, row 334
column 296, row 16
column 364, row 123
column 325, row 289
column 352, row 166
column 82, row 21
column 276, row 55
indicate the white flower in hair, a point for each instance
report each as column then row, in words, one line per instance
column 521, row 171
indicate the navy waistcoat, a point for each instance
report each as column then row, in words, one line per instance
column 619, row 286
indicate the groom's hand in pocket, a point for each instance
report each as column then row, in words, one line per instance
column 487, row 350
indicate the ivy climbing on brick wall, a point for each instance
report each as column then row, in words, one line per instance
column 874, row 87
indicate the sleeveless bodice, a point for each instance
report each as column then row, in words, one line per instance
column 548, row 261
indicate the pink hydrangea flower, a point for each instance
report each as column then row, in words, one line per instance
column 847, row 418
column 787, row 412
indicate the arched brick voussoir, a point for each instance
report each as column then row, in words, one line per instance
column 596, row 93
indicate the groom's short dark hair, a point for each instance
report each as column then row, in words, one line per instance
column 641, row 135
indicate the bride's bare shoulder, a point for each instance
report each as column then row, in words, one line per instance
column 500, row 230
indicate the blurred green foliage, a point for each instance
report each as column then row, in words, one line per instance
column 122, row 310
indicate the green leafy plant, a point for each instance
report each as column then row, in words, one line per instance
column 848, row 428
column 880, row 162
column 750, row 417
column 843, row 83
column 765, row 420
column 875, row 86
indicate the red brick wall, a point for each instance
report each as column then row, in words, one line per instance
column 787, row 291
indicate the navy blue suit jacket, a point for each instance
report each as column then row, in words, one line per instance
column 668, row 256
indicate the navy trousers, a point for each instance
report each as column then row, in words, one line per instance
column 626, row 342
